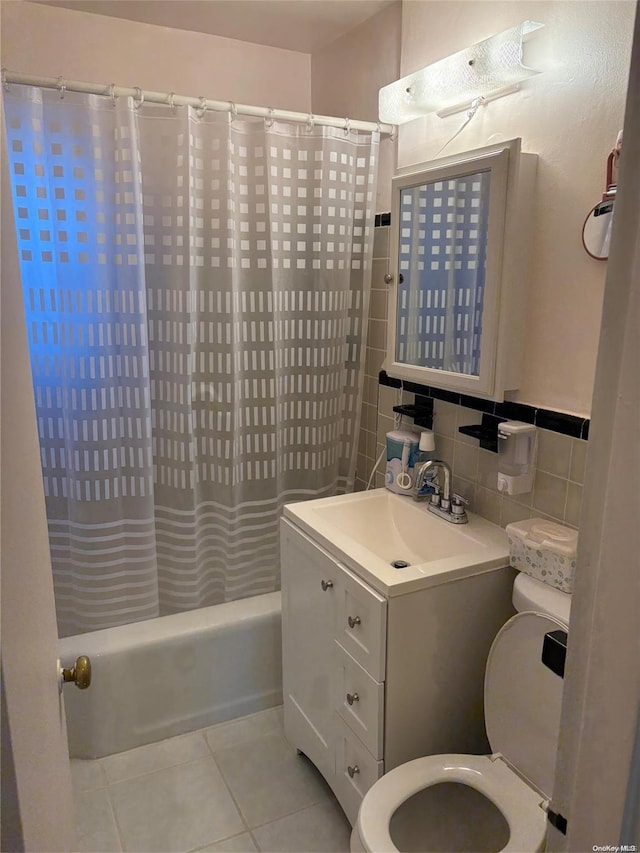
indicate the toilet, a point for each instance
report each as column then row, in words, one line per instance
column 491, row 802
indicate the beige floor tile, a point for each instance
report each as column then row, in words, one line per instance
column 176, row 809
column 244, row 729
column 154, row 756
column 322, row 828
column 95, row 824
column 87, row 774
column 269, row 780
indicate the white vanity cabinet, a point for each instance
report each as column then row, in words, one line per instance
column 371, row 680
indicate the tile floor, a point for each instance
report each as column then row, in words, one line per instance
column 235, row 787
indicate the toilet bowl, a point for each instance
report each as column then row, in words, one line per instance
column 485, row 802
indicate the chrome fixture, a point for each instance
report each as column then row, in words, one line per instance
column 447, row 506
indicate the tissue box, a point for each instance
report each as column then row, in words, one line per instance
column 544, row 550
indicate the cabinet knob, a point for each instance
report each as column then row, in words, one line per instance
column 353, row 621
column 352, row 770
column 326, row 585
column 352, row 697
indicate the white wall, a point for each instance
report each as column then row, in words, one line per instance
column 602, row 689
column 347, row 74
column 569, row 115
column 52, row 42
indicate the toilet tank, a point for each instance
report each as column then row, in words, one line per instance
column 530, row 594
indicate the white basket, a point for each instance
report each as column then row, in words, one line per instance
column 544, row 550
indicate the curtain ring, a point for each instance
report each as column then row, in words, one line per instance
column 172, row 100
column 394, row 134
column 310, row 123
column 233, row 110
column 112, row 93
column 201, row 110
column 139, row 97
column 61, row 88
column 5, row 85
column 268, row 122
column 347, row 126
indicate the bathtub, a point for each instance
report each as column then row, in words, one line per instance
column 174, row 674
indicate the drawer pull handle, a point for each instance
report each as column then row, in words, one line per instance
column 353, row 621
column 326, row 585
column 352, row 770
column 352, row 697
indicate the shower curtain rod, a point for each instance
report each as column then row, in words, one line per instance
column 171, row 99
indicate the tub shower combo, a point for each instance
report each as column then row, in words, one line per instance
column 196, row 284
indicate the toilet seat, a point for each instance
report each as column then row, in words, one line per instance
column 521, row 806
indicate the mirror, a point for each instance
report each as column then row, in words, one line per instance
column 458, row 270
column 443, row 250
column 596, row 231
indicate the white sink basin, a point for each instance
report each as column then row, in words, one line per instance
column 369, row 531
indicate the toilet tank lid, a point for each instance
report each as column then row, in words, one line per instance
column 530, row 594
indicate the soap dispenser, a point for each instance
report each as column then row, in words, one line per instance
column 516, row 450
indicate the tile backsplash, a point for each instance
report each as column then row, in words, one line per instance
column 560, row 459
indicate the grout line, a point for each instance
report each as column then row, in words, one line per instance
column 158, row 770
column 231, row 794
column 79, row 790
column 221, row 841
column 115, row 819
column 566, row 499
column 322, row 799
column 178, row 763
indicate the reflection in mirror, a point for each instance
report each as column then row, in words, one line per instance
column 596, row 231
column 442, row 260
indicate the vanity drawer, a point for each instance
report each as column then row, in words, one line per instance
column 361, row 623
column 359, row 700
column 356, row 770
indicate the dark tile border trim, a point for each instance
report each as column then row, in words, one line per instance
column 544, row 418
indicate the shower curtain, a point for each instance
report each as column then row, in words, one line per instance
column 196, row 295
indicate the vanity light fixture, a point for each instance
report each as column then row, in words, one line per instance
column 489, row 69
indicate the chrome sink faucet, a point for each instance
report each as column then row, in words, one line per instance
column 447, row 506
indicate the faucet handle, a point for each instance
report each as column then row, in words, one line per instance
column 458, row 504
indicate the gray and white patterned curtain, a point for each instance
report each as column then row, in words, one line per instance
column 196, row 293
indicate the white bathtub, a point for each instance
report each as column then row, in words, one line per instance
column 174, row 674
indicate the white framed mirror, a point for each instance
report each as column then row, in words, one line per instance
column 458, row 270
